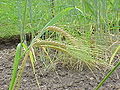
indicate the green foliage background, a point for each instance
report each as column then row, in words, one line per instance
column 101, row 14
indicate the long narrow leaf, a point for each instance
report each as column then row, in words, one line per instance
column 53, row 21
column 112, row 57
column 112, row 70
column 15, row 66
column 107, row 76
column 32, row 58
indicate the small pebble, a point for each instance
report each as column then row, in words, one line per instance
column 91, row 78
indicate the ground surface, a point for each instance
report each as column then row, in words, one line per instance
column 61, row 79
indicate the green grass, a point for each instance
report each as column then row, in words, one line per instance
column 97, row 13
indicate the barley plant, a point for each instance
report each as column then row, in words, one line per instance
column 81, row 33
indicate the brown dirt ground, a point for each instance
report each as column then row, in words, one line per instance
column 60, row 79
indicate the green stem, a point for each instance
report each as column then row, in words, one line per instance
column 107, row 76
column 23, row 28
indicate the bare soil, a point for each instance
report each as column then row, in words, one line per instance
column 60, row 79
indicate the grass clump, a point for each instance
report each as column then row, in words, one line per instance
column 79, row 52
column 91, row 32
column 78, row 49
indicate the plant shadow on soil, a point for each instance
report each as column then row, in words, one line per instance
column 60, row 79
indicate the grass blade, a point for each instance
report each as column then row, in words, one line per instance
column 113, row 69
column 53, row 21
column 56, row 18
column 112, row 57
column 15, row 66
column 107, row 76
column 20, row 72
